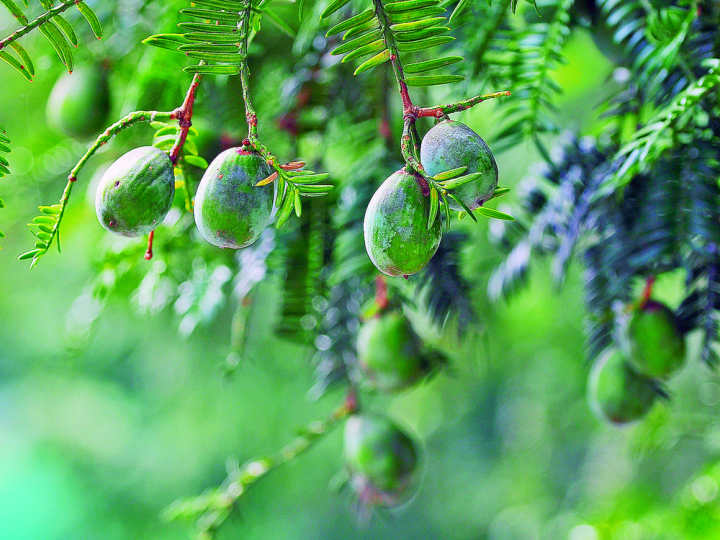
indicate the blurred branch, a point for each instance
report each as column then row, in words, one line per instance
column 212, row 508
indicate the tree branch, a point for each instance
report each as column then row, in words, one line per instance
column 40, row 20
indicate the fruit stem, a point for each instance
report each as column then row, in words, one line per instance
column 149, row 251
column 214, row 506
column 41, row 19
column 184, row 117
column 647, row 291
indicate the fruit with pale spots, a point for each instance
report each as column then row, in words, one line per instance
column 230, row 211
column 136, row 192
column 397, row 238
column 449, row 145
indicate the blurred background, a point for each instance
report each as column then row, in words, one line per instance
column 114, row 405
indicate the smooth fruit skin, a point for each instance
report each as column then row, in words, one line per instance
column 380, row 457
column 80, row 102
column 618, row 393
column 397, row 239
column 230, row 212
column 136, row 192
column 657, row 347
column 449, row 145
column 389, row 353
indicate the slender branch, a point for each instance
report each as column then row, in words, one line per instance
column 250, row 114
column 40, row 20
column 184, row 116
column 391, row 45
column 440, row 111
column 127, row 121
column 214, row 506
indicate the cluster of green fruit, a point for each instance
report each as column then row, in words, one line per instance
column 625, row 382
column 136, row 192
column 381, row 458
column 397, row 237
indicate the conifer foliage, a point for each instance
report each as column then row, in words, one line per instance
column 377, row 254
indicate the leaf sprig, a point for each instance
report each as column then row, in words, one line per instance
column 413, row 26
column 216, row 33
column 56, row 29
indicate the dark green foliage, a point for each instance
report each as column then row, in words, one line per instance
column 641, row 207
column 304, row 259
column 443, row 290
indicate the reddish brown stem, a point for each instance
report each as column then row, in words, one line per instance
column 381, row 294
column 149, row 252
column 647, row 291
column 184, row 117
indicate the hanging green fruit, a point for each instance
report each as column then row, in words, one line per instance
column 389, row 355
column 617, row 392
column 381, row 460
column 230, row 211
column 451, row 145
column 397, row 238
column 657, row 347
column 136, row 192
column 80, row 102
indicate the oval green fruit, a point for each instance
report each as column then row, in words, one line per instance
column 657, row 347
column 136, row 192
column 80, row 102
column 230, row 212
column 397, row 239
column 389, row 354
column 450, row 145
column 617, row 392
column 381, row 459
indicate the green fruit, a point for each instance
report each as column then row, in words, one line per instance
column 397, row 239
column 389, row 353
column 230, row 212
column 617, row 392
column 136, row 192
column 381, row 459
column 449, row 145
column 80, row 102
column 657, row 347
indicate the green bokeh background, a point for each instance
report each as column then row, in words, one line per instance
column 100, row 431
